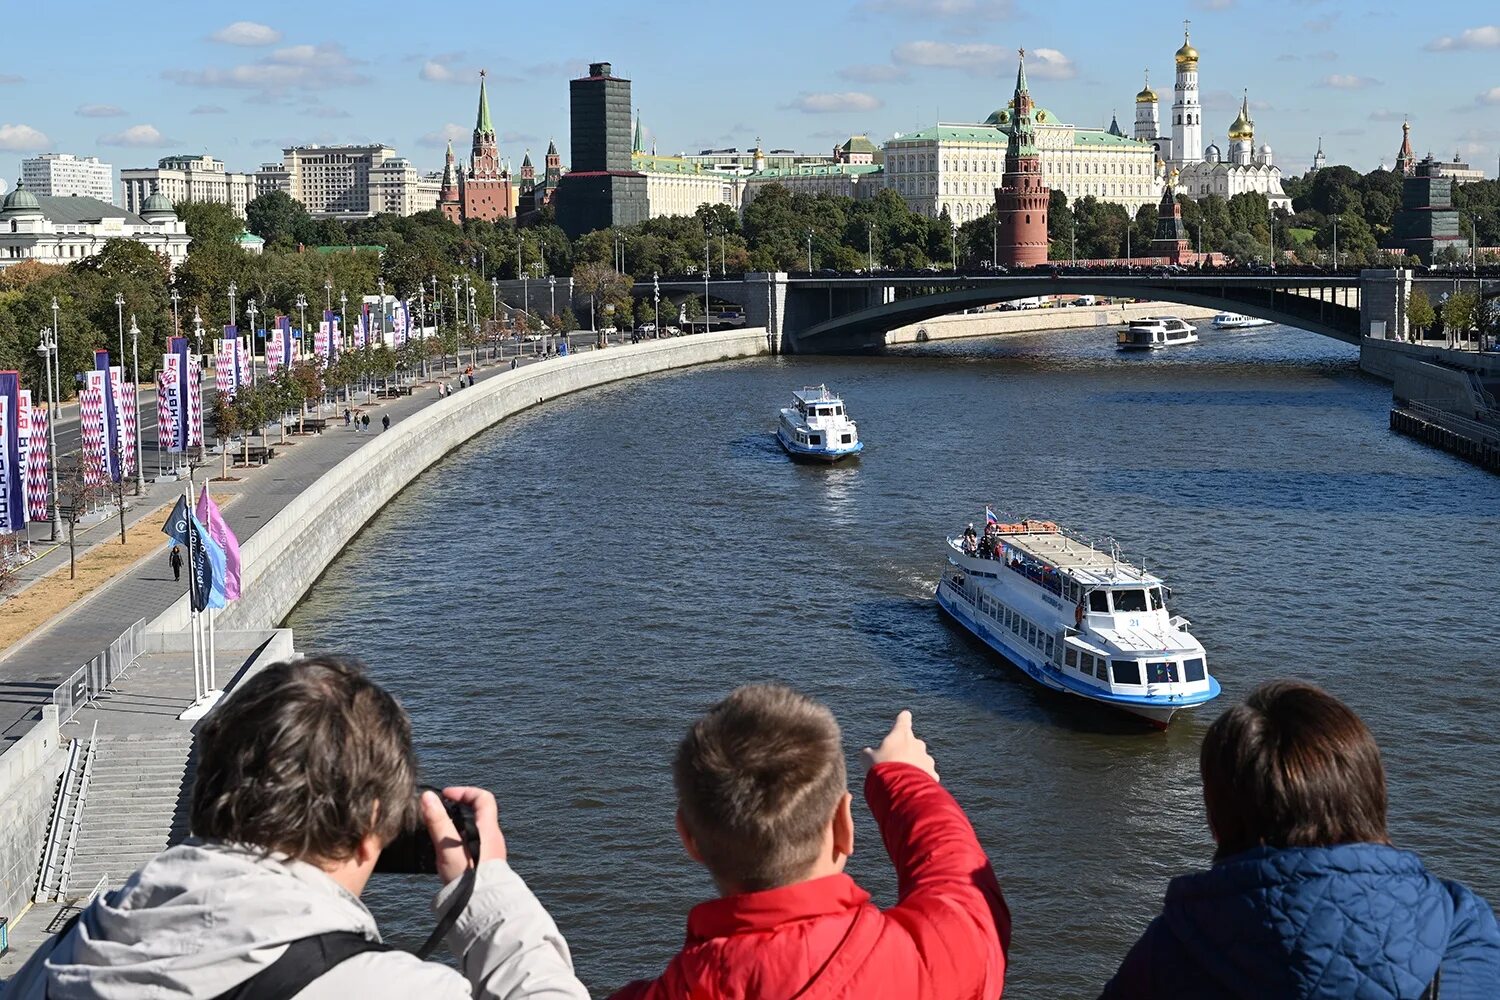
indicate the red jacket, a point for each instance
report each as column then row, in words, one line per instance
column 944, row 940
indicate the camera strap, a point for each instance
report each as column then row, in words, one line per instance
column 460, row 900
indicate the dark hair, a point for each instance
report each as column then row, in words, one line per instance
column 308, row 757
column 1292, row 767
column 757, row 780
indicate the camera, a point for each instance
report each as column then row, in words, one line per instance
column 412, row 852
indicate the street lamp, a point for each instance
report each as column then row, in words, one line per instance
column 723, row 268
column 809, row 251
column 552, row 293
column 301, row 305
column 1335, row 242
column 494, row 298
column 251, row 311
column 197, row 333
column 1474, row 248
column 328, row 294
column 953, row 246
column 47, row 348
column 870, row 243
column 457, row 331
column 233, row 316
column 344, row 314
column 135, row 350
column 120, row 318
column 656, row 302
column 176, row 323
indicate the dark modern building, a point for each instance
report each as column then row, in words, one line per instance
column 600, row 190
column 1427, row 222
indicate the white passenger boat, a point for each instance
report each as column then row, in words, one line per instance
column 1074, row 618
column 1154, row 333
column 1236, row 321
column 816, row 427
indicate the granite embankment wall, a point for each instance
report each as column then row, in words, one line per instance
column 997, row 323
column 286, row 556
column 29, row 769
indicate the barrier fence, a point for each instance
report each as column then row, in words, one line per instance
column 95, row 677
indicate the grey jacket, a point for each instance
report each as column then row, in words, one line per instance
column 202, row 917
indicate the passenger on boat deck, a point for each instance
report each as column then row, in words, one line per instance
column 969, row 539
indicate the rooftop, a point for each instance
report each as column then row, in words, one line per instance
column 1075, row 556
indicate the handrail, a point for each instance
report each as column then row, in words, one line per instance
column 83, row 792
column 1451, row 421
column 53, row 827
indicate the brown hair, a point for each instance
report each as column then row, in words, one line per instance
column 758, row 779
column 307, row 758
column 1292, row 767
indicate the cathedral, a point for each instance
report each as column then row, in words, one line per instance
column 1183, row 161
column 484, row 190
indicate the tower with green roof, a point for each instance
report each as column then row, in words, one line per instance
column 1022, row 200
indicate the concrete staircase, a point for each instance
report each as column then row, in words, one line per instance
column 139, row 794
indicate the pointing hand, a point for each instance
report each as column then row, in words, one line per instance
column 902, row 746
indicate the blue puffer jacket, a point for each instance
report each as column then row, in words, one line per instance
column 1359, row 921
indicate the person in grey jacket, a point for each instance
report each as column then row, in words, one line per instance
column 286, row 835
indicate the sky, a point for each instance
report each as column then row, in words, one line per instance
column 95, row 78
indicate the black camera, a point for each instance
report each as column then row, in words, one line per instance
column 412, row 853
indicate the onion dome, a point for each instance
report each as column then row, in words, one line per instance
column 157, row 204
column 1243, row 127
column 1187, row 56
column 1147, row 95
column 20, row 200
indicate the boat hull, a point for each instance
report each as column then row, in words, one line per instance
column 1157, row 712
column 827, row 456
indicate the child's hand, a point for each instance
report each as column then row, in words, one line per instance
column 902, row 746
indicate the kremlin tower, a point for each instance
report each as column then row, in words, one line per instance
column 1187, row 113
column 1022, row 201
column 483, row 191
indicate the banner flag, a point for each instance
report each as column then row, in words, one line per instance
column 194, row 402
column 131, row 418
column 362, row 327
column 23, row 447
column 209, row 514
column 226, row 371
column 111, row 380
column 166, row 418
column 246, row 358
column 181, row 406
column 335, row 336
column 398, row 325
column 12, row 492
column 38, row 464
column 92, row 428
column 206, row 559
column 320, row 342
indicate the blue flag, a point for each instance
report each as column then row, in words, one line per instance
column 206, row 570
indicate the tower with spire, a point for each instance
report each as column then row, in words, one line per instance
column 483, row 190
column 1242, row 136
column 1406, row 161
column 1187, row 113
column 1022, row 200
column 1319, row 160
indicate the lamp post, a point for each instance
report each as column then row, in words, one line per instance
column 809, row 251
column 494, row 298
column 197, row 333
column 870, row 244
column 233, row 315
column 457, row 331
column 953, row 246
column 176, row 323
column 552, row 293
column 656, row 303
column 1474, row 248
column 328, row 294
column 120, row 318
column 47, row 348
column 1073, row 241
column 1335, row 242
column 301, row 304
column 706, row 272
column 1271, row 229
column 723, row 267
column 344, row 312
column 995, row 237
column 135, row 351
column 251, row 311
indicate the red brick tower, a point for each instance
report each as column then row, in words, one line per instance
column 1022, row 199
column 1406, row 163
column 485, row 188
column 449, row 201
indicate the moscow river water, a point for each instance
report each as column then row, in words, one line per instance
column 556, row 600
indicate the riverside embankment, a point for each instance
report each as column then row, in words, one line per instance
column 997, row 323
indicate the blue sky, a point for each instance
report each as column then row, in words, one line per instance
column 91, row 78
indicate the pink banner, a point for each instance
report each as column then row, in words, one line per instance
column 95, row 436
column 226, row 372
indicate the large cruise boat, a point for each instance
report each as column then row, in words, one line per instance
column 816, row 426
column 1074, row 618
column 1238, row 321
column 1154, row 333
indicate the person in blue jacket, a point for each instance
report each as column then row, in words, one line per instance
column 1307, row 898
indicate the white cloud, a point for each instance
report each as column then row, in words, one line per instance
column 832, row 103
column 1487, row 37
column 1050, row 64
column 295, row 67
column 441, row 137
column 138, row 136
column 247, row 33
column 209, row 109
column 1491, row 96
column 11, row 78
column 323, row 111
column 1348, row 81
column 1387, row 115
column 942, row 8
column 975, row 56
column 436, row 72
column 99, row 111
column 22, row 138
column 877, row 73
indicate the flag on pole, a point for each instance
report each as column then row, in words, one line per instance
column 205, row 558
column 12, row 485
column 209, row 514
column 989, row 517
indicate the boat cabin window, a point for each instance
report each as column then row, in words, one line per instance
column 815, row 439
column 1099, row 601
column 1049, row 647
column 1157, row 603
column 838, row 411
column 1192, row 670
column 1088, row 663
column 1129, row 600
column 1126, row 672
column 1070, row 656
column 847, row 439
column 1161, row 673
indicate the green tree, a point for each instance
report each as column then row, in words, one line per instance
column 279, row 219
column 1458, row 316
column 1419, row 312
column 597, row 284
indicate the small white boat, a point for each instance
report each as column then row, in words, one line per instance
column 816, row 427
column 1236, row 321
column 1075, row 619
column 1154, row 333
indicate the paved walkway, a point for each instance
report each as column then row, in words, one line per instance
column 31, row 669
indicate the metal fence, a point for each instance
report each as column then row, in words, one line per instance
column 95, row 677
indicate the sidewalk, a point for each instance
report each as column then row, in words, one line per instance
column 31, row 669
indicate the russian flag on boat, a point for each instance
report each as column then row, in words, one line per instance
column 989, row 517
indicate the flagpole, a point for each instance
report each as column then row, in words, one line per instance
column 192, row 589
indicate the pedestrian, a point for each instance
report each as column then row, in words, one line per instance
column 366, row 421
column 385, row 421
column 512, row 364
column 176, row 560
column 356, row 423
column 471, row 379
column 347, row 416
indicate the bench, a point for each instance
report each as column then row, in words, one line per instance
column 258, row 455
column 395, row 390
column 317, row 425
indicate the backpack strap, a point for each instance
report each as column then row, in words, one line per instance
column 303, row 961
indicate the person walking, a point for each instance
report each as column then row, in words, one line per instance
column 347, row 416
column 176, row 560
column 385, row 421
column 365, row 420
column 471, row 378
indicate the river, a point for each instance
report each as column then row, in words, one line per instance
column 556, row 600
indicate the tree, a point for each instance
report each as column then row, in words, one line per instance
column 1419, row 312
column 78, row 492
column 279, row 219
column 1458, row 316
column 599, row 284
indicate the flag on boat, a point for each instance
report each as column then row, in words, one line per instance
column 989, row 517
column 209, row 514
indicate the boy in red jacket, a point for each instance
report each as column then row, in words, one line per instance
column 763, row 804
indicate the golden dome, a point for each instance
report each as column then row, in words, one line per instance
column 1243, row 127
column 1187, row 56
column 1146, row 96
